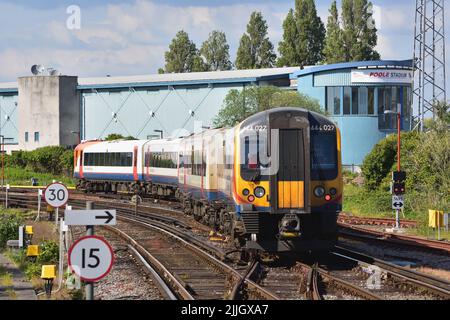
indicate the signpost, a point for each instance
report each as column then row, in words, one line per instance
column 397, row 202
column 6, row 196
column 91, row 258
column 39, row 205
column 90, row 217
column 56, row 195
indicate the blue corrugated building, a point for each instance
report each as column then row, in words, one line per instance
column 356, row 95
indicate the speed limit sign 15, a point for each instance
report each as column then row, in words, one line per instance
column 56, row 195
column 91, row 258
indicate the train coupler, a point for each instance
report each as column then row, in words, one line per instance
column 289, row 227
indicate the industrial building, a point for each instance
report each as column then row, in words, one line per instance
column 46, row 110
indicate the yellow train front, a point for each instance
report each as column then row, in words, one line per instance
column 287, row 181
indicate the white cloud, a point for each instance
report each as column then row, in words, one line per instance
column 125, row 39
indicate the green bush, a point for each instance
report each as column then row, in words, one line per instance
column 9, row 227
column 54, row 160
column 32, row 270
column 49, row 252
column 383, row 158
column 425, row 157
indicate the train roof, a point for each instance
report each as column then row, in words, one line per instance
column 312, row 115
column 114, row 145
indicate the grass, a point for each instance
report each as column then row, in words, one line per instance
column 6, row 280
column 360, row 202
column 22, row 177
column 377, row 204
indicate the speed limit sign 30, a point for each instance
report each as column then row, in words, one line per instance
column 91, row 258
column 56, row 195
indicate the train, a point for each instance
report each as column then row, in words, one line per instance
column 272, row 183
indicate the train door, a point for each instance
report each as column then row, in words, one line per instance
column 291, row 170
column 80, row 157
column 135, row 158
column 290, row 185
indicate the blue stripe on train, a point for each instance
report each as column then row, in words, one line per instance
column 163, row 179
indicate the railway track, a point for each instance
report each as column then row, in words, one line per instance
column 398, row 276
column 387, row 222
column 350, row 231
column 261, row 281
column 190, row 267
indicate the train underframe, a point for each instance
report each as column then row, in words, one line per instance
column 316, row 232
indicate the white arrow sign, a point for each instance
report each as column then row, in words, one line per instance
column 397, row 202
column 90, row 217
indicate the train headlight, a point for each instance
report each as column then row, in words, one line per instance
column 245, row 192
column 319, row 191
column 259, row 192
column 333, row 191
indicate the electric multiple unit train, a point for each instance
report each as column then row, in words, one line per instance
column 273, row 182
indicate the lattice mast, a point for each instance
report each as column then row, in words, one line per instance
column 429, row 57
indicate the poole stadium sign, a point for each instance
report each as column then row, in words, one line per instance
column 382, row 76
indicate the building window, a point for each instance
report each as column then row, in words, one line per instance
column 334, row 100
column 347, row 99
column 389, row 99
column 371, row 100
column 36, row 137
column 355, row 100
column 26, row 136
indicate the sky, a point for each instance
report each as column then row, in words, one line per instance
column 129, row 37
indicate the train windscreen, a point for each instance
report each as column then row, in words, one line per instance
column 324, row 160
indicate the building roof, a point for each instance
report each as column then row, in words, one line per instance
column 231, row 76
column 9, row 87
column 394, row 64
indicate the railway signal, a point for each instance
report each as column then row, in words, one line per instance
column 397, row 190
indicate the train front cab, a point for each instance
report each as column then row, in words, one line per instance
column 277, row 188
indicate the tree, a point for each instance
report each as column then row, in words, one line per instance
column 117, row 136
column 359, row 31
column 333, row 51
column 215, row 51
column 255, row 49
column 238, row 105
column 183, row 55
column 289, row 55
column 303, row 36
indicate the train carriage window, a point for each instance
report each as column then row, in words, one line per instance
column 129, row 161
column 123, row 159
column 255, row 157
column 101, row 159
